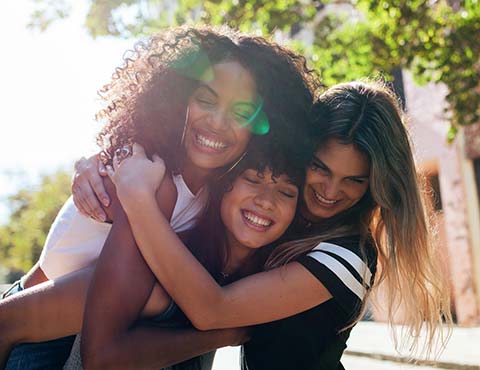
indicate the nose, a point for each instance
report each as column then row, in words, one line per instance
column 265, row 200
column 331, row 188
column 218, row 120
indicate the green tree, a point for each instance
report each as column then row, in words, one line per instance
column 436, row 40
column 32, row 211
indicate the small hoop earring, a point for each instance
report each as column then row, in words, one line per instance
column 233, row 166
column 185, row 126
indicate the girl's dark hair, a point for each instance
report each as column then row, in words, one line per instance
column 208, row 239
column 147, row 98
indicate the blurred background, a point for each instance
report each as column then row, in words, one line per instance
column 57, row 54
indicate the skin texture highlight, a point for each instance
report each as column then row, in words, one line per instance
column 336, row 180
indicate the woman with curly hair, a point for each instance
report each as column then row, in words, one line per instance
column 362, row 201
column 194, row 96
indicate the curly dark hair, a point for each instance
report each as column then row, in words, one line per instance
column 208, row 239
column 147, row 97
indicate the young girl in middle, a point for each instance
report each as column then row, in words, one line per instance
column 251, row 207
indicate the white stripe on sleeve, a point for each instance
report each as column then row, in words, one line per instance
column 355, row 261
column 340, row 271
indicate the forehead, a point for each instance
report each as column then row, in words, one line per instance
column 267, row 175
column 232, row 81
column 343, row 160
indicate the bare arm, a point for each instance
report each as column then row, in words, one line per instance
column 44, row 312
column 263, row 297
column 259, row 298
column 34, row 276
column 121, row 287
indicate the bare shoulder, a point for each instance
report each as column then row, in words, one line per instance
column 167, row 196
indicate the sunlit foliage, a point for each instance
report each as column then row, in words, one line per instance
column 436, row 39
column 32, row 211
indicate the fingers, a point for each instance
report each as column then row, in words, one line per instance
column 87, row 203
column 116, row 163
column 102, row 171
column 99, row 189
column 87, row 188
column 110, row 173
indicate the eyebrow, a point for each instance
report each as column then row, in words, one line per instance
column 320, row 163
column 211, row 90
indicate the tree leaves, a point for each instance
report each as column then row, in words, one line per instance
column 437, row 40
column 32, row 213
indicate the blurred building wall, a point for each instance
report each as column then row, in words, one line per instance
column 454, row 173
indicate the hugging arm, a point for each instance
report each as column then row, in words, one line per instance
column 263, row 297
column 259, row 298
column 111, row 336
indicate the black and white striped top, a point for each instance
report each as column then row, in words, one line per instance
column 311, row 340
column 343, row 269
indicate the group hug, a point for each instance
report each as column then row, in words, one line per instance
column 233, row 201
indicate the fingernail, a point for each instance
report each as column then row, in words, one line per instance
column 105, row 202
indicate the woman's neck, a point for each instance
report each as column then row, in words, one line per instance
column 195, row 178
column 238, row 255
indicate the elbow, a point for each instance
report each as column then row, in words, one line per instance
column 204, row 323
column 209, row 317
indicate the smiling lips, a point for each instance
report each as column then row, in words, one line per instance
column 209, row 142
column 258, row 222
column 323, row 200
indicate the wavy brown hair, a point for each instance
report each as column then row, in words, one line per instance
column 146, row 100
column 393, row 211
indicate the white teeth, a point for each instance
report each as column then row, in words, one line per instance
column 254, row 219
column 322, row 199
column 202, row 140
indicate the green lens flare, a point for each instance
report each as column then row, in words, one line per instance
column 258, row 122
column 196, row 65
column 260, row 126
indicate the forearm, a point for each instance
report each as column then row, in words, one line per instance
column 46, row 311
column 119, row 290
column 259, row 298
column 192, row 287
column 151, row 347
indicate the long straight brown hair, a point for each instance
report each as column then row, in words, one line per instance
column 393, row 211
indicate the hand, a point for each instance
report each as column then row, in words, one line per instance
column 88, row 188
column 136, row 176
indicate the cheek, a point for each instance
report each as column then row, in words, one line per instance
column 226, row 210
column 242, row 137
column 288, row 213
column 356, row 193
column 194, row 112
column 313, row 178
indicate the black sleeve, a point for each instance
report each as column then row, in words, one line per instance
column 341, row 267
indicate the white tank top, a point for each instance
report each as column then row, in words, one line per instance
column 74, row 240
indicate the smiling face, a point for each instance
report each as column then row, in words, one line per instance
column 258, row 209
column 216, row 132
column 336, row 180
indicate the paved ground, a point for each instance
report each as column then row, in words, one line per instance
column 370, row 347
column 462, row 350
column 227, row 359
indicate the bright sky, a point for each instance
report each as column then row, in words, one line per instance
column 48, row 93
